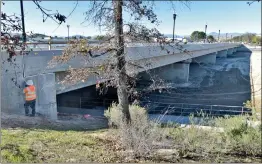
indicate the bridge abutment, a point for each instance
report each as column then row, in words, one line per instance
column 222, row 54
column 206, row 59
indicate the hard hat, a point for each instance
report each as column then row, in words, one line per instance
column 29, row 82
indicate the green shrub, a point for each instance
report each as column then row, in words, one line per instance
column 114, row 115
column 140, row 135
column 17, row 153
column 241, row 137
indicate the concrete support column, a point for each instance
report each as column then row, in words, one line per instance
column 206, row 59
column 177, row 72
column 149, row 75
column 230, row 51
column 46, row 94
column 222, row 54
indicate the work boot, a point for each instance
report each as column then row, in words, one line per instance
column 32, row 115
column 26, row 114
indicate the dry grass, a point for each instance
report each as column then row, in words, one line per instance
column 141, row 141
column 24, row 145
column 237, row 143
column 139, row 136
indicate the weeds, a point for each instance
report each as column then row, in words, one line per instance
column 243, row 139
column 24, row 146
column 140, row 135
column 141, row 140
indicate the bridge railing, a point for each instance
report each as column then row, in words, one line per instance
column 54, row 44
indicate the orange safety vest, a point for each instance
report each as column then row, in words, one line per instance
column 30, row 93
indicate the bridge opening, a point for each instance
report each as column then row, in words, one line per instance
column 84, row 100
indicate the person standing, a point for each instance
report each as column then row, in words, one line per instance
column 30, row 97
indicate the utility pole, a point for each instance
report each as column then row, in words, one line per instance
column 226, row 36
column 218, row 35
column 205, row 33
column 174, row 21
column 68, row 32
column 23, row 21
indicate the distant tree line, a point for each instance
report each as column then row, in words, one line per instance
column 247, row 38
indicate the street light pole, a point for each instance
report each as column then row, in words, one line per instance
column 174, row 19
column 68, row 32
column 23, row 21
column 218, row 35
column 205, row 33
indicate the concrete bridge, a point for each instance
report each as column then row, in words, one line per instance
column 168, row 66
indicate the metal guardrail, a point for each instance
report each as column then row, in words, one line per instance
column 197, row 109
column 181, row 109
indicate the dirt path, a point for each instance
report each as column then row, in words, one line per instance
column 63, row 123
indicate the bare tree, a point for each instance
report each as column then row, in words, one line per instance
column 108, row 16
column 11, row 41
column 250, row 3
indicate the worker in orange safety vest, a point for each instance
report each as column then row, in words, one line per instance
column 30, row 98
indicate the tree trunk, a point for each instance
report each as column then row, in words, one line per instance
column 121, row 71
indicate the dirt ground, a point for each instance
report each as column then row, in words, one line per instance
column 63, row 122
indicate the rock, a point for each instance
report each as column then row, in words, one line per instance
column 167, row 152
column 71, row 160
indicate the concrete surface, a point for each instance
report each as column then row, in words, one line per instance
column 224, row 83
column 206, row 59
column 177, row 72
column 222, row 54
column 230, row 51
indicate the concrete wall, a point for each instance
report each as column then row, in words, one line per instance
column 230, row 51
column 12, row 97
column 139, row 54
column 177, row 73
column 46, row 95
column 222, row 54
column 206, row 59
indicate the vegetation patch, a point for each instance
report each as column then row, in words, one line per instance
column 142, row 140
